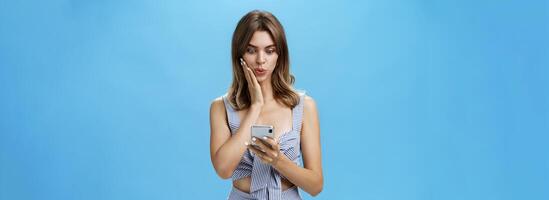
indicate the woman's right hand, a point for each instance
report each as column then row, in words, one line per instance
column 253, row 86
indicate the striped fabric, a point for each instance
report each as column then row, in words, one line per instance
column 266, row 181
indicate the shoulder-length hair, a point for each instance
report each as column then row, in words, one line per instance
column 281, row 79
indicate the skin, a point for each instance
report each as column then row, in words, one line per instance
column 226, row 150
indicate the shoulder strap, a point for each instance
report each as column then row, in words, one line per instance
column 232, row 115
column 298, row 112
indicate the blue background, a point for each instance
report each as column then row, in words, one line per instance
column 417, row 99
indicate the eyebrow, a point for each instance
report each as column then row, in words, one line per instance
column 272, row 45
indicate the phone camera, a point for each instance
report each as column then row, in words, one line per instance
column 270, row 130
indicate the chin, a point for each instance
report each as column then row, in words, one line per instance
column 262, row 80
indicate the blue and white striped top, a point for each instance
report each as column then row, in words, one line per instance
column 265, row 179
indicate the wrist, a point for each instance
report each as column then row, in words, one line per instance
column 280, row 162
column 256, row 107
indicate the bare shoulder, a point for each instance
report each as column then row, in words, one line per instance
column 309, row 104
column 217, row 106
column 217, row 101
column 311, row 122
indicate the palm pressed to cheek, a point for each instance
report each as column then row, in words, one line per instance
column 261, row 67
column 261, row 54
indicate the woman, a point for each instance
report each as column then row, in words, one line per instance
column 262, row 93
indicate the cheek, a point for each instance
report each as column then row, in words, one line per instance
column 273, row 61
column 248, row 58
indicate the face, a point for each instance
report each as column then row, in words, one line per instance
column 261, row 56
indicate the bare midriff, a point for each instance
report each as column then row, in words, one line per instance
column 243, row 184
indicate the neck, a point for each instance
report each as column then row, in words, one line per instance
column 267, row 90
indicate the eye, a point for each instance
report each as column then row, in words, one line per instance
column 250, row 50
column 270, row 51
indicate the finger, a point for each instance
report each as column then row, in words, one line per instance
column 263, row 156
column 262, row 144
column 252, row 75
column 254, row 79
column 266, row 143
column 267, row 159
column 269, row 144
column 269, row 141
column 255, row 150
column 244, row 65
column 245, row 70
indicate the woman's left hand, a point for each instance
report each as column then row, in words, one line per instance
column 267, row 149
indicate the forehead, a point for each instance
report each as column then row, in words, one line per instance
column 261, row 39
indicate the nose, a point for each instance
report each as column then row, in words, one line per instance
column 261, row 58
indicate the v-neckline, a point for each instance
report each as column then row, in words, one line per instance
column 281, row 135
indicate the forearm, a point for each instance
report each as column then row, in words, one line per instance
column 306, row 179
column 228, row 156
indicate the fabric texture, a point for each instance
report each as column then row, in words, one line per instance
column 265, row 180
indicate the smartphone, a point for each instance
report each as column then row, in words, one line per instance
column 261, row 131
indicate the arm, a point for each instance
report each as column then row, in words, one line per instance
column 309, row 178
column 226, row 151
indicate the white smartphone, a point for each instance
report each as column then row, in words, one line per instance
column 261, row 131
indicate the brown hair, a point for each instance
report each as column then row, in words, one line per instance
column 281, row 78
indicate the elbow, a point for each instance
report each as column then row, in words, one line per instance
column 316, row 191
column 318, row 188
column 223, row 173
column 222, row 170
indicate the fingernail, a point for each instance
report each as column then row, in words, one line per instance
column 264, row 137
column 246, row 143
column 253, row 139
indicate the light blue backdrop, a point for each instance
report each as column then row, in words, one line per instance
column 417, row 99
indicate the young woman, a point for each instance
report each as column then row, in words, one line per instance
column 262, row 93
